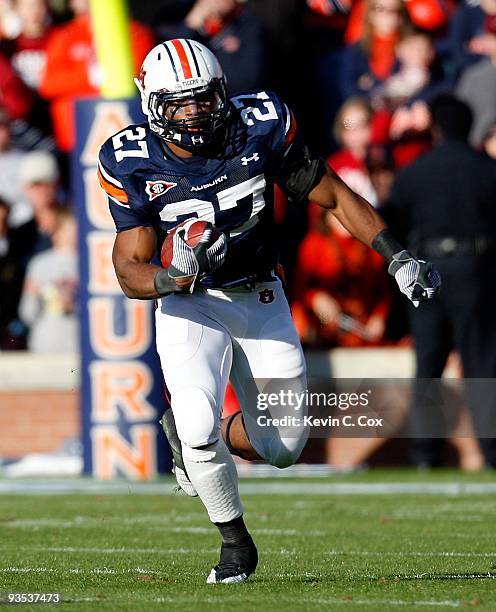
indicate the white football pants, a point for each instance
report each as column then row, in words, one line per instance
column 208, row 337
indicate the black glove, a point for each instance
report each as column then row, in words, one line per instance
column 416, row 278
column 211, row 251
column 216, row 252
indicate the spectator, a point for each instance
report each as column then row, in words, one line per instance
column 342, row 296
column 26, row 229
column 235, row 36
column 477, row 87
column 445, row 203
column 48, row 304
column 406, row 95
column 353, row 132
column 39, row 177
column 9, row 20
column 370, row 61
column 72, row 71
column 419, row 76
column 27, row 52
column 12, row 246
column 428, row 15
column 15, row 96
column 10, row 185
column 471, row 30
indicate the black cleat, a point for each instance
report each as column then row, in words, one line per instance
column 237, row 562
column 169, row 427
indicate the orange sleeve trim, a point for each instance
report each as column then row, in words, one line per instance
column 112, row 190
column 293, row 126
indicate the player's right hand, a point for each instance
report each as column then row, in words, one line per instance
column 184, row 266
column 419, row 280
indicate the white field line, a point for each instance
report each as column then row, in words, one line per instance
column 430, row 576
column 330, row 553
column 126, row 551
column 334, row 601
column 75, row 570
column 162, row 522
column 447, row 603
column 89, row 522
column 83, row 486
column 423, row 576
column 474, row 514
column 425, row 515
column 390, row 602
column 416, row 515
column 110, row 571
column 375, row 553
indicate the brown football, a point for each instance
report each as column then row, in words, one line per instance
column 194, row 230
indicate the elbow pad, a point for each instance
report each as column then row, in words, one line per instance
column 299, row 170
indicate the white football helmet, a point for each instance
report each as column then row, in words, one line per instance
column 176, row 73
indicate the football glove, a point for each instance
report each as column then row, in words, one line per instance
column 416, row 278
column 210, row 251
column 216, row 253
column 184, row 263
column 200, row 260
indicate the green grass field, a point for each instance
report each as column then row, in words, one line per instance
column 363, row 549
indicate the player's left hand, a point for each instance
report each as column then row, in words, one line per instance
column 210, row 251
column 417, row 279
column 216, row 252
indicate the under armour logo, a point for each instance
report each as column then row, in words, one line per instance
column 246, row 160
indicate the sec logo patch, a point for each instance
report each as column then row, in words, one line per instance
column 155, row 189
column 266, row 296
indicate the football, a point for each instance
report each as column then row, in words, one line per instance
column 194, row 231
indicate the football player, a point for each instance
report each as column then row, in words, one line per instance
column 222, row 313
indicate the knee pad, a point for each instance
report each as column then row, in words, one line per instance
column 196, row 415
column 281, row 452
column 281, row 456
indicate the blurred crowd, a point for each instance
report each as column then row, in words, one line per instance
column 362, row 77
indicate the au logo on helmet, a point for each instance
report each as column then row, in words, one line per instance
column 155, row 189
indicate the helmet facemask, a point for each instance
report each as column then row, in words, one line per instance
column 203, row 129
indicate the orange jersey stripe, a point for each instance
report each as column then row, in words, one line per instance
column 178, row 46
column 112, row 190
column 292, row 131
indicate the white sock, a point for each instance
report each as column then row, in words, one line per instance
column 213, row 474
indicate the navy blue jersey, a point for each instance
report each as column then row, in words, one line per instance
column 148, row 185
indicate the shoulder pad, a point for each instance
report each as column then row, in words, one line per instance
column 123, row 152
column 266, row 114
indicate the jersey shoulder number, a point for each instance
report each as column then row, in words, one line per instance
column 122, row 152
column 265, row 113
column 119, row 157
